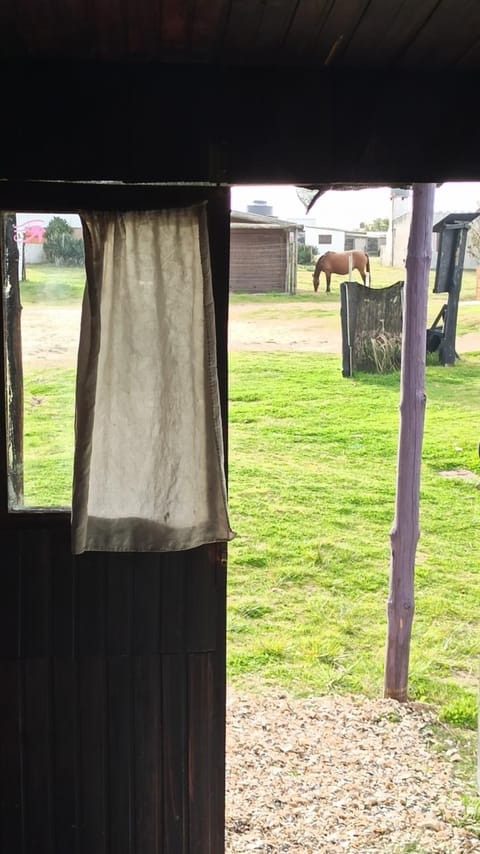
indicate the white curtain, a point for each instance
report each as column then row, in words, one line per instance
column 148, row 470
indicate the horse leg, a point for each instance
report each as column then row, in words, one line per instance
column 328, row 276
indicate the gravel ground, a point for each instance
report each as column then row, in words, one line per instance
column 336, row 774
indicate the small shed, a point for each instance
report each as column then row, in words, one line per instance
column 263, row 253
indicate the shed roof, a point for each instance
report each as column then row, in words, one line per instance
column 222, row 91
column 402, row 34
column 239, row 219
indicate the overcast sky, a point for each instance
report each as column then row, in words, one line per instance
column 348, row 209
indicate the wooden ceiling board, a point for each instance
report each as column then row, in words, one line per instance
column 175, row 25
column 273, row 27
column 383, row 33
column 447, row 36
column 208, row 27
column 29, row 31
column 242, row 25
column 299, row 45
column 109, row 29
column 11, row 24
column 338, row 29
column 424, row 34
column 471, row 58
column 143, row 29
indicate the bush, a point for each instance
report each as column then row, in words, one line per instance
column 60, row 245
column 305, row 254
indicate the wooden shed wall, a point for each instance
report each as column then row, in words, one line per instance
column 112, row 734
column 196, row 124
column 258, row 260
column 112, row 666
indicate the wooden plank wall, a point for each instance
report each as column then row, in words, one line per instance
column 232, row 133
column 112, row 666
column 258, row 260
column 110, row 721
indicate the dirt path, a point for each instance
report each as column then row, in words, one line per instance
column 50, row 336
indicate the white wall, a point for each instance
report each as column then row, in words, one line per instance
column 401, row 234
column 337, row 239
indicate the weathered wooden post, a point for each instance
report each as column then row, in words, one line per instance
column 405, row 531
column 13, row 314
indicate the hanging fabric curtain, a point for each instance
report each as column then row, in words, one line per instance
column 148, row 469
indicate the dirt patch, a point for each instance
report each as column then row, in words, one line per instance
column 461, row 474
column 50, row 336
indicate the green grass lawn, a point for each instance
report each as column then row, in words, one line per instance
column 381, row 277
column 312, row 488
column 48, row 284
column 322, row 303
column 49, row 397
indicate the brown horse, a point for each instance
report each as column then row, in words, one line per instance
column 338, row 262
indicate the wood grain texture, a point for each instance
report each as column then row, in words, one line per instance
column 112, row 676
column 257, row 260
column 405, row 530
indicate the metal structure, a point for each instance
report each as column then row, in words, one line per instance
column 453, row 230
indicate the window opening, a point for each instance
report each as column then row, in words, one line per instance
column 43, row 283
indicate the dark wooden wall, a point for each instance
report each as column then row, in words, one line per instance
column 111, row 723
column 152, row 122
column 258, row 259
column 112, row 666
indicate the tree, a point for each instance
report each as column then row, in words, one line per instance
column 378, row 224
column 305, row 254
column 60, row 245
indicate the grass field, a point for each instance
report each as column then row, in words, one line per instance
column 312, row 462
column 381, row 277
column 312, row 485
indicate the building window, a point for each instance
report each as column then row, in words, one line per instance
column 324, row 238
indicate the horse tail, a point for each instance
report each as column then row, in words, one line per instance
column 368, row 263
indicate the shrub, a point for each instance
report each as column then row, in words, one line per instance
column 60, row 245
column 305, row 254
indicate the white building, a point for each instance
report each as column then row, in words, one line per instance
column 395, row 252
column 325, row 239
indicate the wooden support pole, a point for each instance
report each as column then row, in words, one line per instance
column 13, row 326
column 405, row 531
